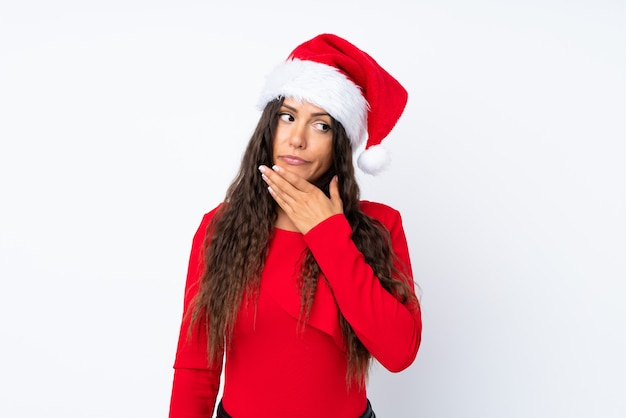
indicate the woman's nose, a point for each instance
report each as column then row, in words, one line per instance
column 297, row 138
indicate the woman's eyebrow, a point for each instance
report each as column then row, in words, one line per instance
column 294, row 110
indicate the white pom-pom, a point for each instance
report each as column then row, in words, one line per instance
column 374, row 160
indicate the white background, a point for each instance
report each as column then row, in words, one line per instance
column 122, row 122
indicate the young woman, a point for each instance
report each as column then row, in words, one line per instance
column 294, row 284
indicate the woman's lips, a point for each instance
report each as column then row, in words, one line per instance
column 292, row 160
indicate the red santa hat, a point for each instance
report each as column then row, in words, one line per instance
column 351, row 86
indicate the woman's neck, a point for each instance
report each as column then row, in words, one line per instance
column 283, row 221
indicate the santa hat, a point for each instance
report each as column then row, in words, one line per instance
column 351, row 86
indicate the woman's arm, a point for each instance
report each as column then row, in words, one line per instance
column 390, row 330
column 196, row 383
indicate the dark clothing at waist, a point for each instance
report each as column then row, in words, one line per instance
column 369, row 412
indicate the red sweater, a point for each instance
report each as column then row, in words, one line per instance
column 274, row 370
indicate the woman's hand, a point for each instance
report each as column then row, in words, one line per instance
column 304, row 203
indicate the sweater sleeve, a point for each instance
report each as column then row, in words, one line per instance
column 390, row 330
column 196, row 382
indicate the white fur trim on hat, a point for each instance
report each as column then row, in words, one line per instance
column 374, row 159
column 324, row 86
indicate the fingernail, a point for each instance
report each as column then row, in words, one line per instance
column 275, row 168
column 262, row 168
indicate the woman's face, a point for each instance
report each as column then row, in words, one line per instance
column 303, row 142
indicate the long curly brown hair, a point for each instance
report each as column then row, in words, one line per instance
column 237, row 239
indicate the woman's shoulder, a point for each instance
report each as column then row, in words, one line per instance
column 206, row 218
column 384, row 213
column 213, row 211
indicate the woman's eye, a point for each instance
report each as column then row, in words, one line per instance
column 286, row 117
column 321, row 126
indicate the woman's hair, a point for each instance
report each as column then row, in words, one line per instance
column 238, row 236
